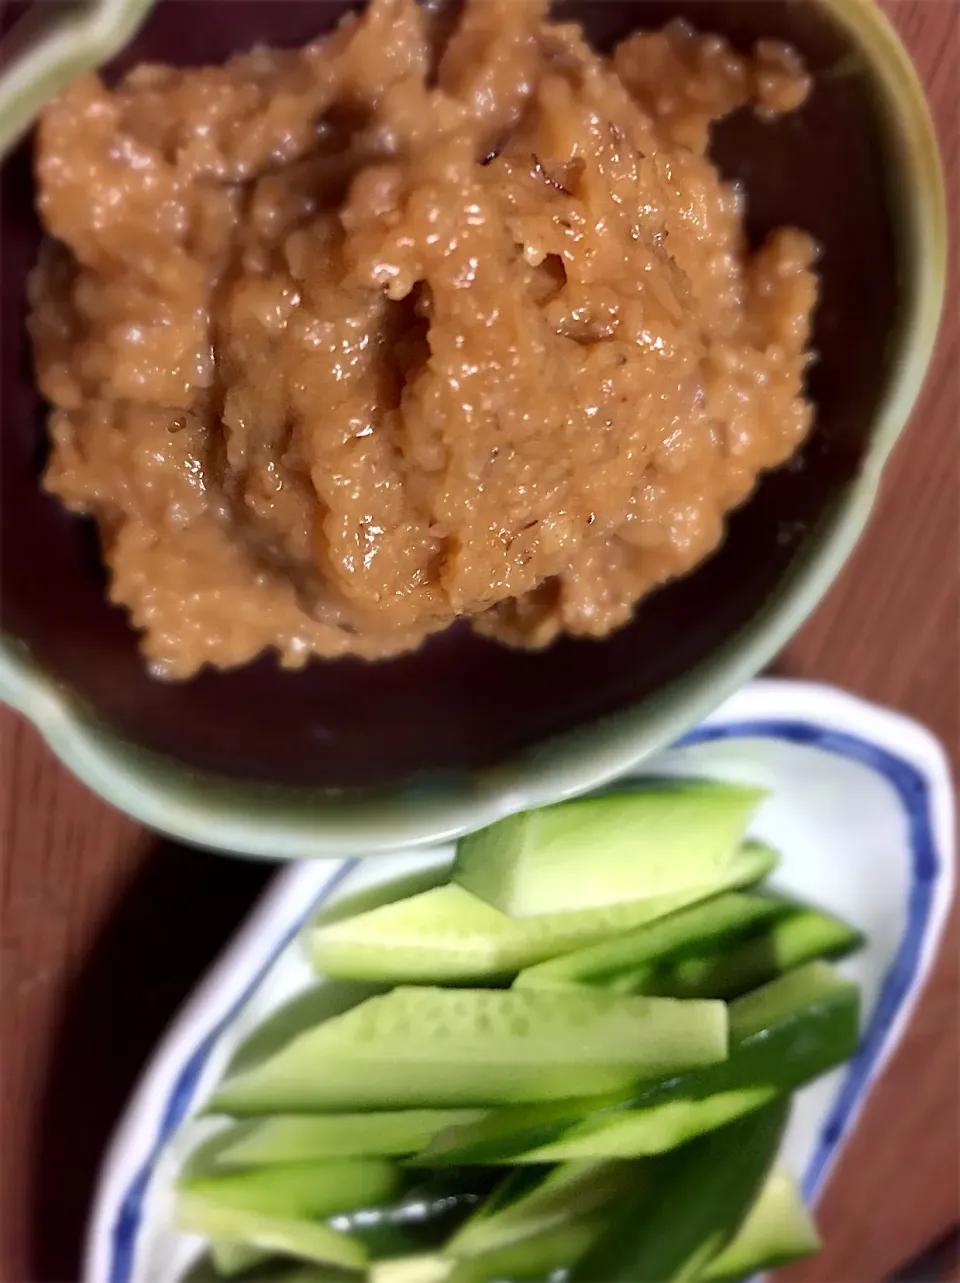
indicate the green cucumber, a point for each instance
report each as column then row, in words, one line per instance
column 617, row 964
column 300, row 1190
column 432, row 1207
column 537, row 1257
column 680, row 1220
column 721, row 948
column 599, row 851
column 510, row 1135
column 231, row 1258
column 781, row 1037
column 778, row 1229
column 421, row 1048
column 267, row 1268
column 448, row 936
column 541, row 1220
column 799, row 935
column 532, row 1201
column 298, row 1138
column 410, row 1269
column 394, row 1225
column 286, row 1235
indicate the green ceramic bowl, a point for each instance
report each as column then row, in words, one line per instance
column 353, row 758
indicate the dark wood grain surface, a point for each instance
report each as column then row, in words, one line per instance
column 105, row 929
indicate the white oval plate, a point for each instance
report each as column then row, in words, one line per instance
column 861, row 808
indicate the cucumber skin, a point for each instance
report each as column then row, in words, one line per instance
column 448, row 936
column 778, row 1229
column 597, row 851
column 530, row 1202
column 423, row 1048
column 622, row 963
column 768, row 1057
column 799, row 936
column 715, row 1180
column 535, row 1258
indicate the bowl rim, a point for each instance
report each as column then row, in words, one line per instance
column 254, row 819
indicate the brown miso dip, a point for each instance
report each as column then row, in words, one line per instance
column 412, row 324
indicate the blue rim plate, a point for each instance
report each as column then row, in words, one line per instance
column 862, row 808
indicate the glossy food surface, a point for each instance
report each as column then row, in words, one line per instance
column 411, row 324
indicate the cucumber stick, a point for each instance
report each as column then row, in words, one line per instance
column 533, row 1201
column 778, row 1229
column 259, row 1265
column 719, row 949
column 535, row 1258
column 267, row 1268
column 421, row 1048
column 410, row 1269
column 532, row 1260
column 675, row 1225
column 297, row 1138
column 600, row 851
column 308, row 1240
column 383, row 1213
column 230, row 1257
column 432, row 1207
column 541, row 1220
column 799, row 935
column 448, row 936
column 621, row 963
column 300, row 1189
column 268, row 1207
column 781, row 1037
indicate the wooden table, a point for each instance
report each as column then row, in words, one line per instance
column 105, row 929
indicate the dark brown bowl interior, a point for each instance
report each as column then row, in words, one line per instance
column 461, row 702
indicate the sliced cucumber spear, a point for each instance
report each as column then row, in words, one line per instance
column 672, row 1229
column 382, row 1211
column 719, row 949
column 622, row 964
column 300, row 1189
column 410, row 1269
column 431, row 1208
column 781, row 1037
column 800, row 935
column 298, row 1138
column 778, row 1229
column 598, row 851
column 540, row 1220
column 230, row 1257
column 421, row 1048
column 532, row 1201
column 448, row 936
column 272, row 1270
column 288, row 1236
column 535, row 1258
